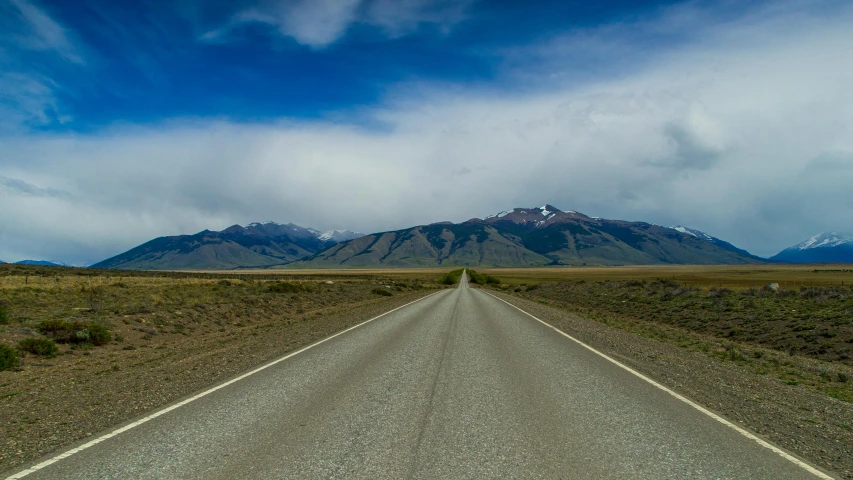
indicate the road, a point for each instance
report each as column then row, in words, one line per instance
column 457, row 385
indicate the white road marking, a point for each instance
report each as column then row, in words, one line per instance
column 709, row 413
column 180, row 404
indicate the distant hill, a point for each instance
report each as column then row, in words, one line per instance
column 41, row 263
column 531, row 237
column 256, row 245
column 828, row 247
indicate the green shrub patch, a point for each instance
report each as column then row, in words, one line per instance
column 8, row 358
column 382, row 291
column 450, row 278
column 63, row 331
column 483, row 279
column 43, row 347
column 288, row 287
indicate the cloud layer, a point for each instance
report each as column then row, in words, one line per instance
column 745, row 132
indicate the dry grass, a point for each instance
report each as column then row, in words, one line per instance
column 701, row 276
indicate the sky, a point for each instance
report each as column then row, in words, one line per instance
column 122, row 121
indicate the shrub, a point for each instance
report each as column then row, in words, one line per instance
column 8, row 358
column 43, row 347
column 285, row 287
column 63, row 331
column 56, row 328
column 451, row 278
column 483, row 279
column 98, row 334
column 4, row 315
column 382, row 291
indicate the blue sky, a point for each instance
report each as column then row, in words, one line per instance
column 140, row 62
column 121, row 121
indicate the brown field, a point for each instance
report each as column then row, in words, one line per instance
column 730, row 276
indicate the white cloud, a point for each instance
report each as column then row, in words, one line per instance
column 399, row 17
column 319, row 23
column 747, row 135
column 29, row 39
column 36, row 30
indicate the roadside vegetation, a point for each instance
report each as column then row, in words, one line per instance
column 451, row 278
column 482, row 278
column 8, row 358
column 803, row 336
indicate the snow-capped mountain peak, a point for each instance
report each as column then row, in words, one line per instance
column 692, row 232
column 826, row 239
column 338, row 235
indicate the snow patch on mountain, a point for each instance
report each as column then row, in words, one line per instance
column 499, row 215
column 825, row 240
column 692, row 232
column 338, row 235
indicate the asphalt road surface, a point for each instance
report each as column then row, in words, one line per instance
column 457, row 385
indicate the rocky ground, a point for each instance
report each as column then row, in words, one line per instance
column 168, row 342
column 804, row 421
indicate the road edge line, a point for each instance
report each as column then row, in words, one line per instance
column 165, row 410
column 764, row 443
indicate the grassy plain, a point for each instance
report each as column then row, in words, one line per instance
column 702, row 276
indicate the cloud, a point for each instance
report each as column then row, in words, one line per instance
column 400, row 17
column 19, row 187
column 319, row 23
column 732, row 134
column 30, row 40
column 27, row 100
column 34, row 29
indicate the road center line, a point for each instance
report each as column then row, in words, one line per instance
column 180, row 404
column 814, row 471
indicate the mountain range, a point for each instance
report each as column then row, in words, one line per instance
column 829, row 247
column 257, row 245
column 531, row 237
column 519, row 237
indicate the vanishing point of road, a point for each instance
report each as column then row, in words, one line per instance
column 457, row 385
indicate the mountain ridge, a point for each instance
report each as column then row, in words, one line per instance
column 41, row 263
column 257, row 245
column 826, row 247
column 530, row 237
